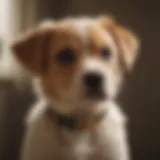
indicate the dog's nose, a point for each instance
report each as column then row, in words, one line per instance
column 93, row 80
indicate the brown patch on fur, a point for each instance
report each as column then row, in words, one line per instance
column 37, row 51
column 58, row 77
column 96, row 42
column 32, row 50
column 126, row 41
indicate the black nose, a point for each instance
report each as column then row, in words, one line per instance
column 93, row 80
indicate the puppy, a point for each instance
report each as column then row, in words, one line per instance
column 78, row 65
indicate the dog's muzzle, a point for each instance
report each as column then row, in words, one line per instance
column 93, row 83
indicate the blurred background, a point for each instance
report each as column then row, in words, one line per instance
column 141, row 98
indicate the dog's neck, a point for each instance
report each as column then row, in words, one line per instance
column 74, row 122
column 79, row 120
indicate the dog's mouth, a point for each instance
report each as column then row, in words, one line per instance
column 95, row 94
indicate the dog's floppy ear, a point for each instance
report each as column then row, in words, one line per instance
column 126, row 41
column 32, row 49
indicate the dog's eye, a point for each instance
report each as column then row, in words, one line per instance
column 106, row 53
column 66, row 57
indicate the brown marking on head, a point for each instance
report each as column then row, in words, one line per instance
column 38, row 52
column 59, row 76
column 126, row 41
column 32, row 50
column 96, row 42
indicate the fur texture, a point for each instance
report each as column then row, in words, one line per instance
column 92, row 45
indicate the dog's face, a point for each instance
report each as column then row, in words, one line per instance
column 78, row 61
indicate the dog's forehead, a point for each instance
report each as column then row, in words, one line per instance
column 86, row 29
column 94, row 33
column 80, row 26
column 83, row 28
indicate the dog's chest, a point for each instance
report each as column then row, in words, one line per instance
column 78, row 146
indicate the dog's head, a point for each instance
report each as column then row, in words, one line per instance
column 78, row 60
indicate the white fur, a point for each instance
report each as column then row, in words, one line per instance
column 106, row 141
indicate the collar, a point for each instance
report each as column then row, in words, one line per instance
column 73, row 122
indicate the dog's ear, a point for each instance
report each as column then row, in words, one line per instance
column 126, row 41
column 32, row 49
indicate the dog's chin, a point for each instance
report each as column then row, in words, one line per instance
column 96, row 95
